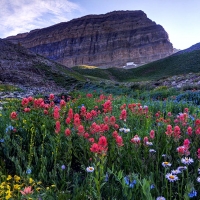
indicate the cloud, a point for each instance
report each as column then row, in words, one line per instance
column 19, row 16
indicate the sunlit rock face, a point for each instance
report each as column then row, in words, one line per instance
column 108, row 40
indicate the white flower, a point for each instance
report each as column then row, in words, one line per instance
column 90, row 169
column 126, row 130
column 181, row 168
column 187, row 160
column 199, row 170
column 176, row 171
column 166, row 164
column 198, row 179
column 171, row 177
column 160, row 198
column 152, row 150
column 149, row 143
column 121, row 129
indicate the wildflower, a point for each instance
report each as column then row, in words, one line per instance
column 160, row 198
column 171, row 177
column 152, row 186
column 135, row 139
column 199, row 170
column 17, row 178
column 176, row 171
column 17, row 187
column 1, row 140
column 187, row 160
column 181, row 168
column 28, row 171
column 166, row 164
column 26, row 191
column 9, row 128
column 63, row 167
column 177, row 132
column 169, row 130
column 106, row 177
column 121, row 129
column 128, row 182
column 9, row 177
column 152, row 134
column 193, row 193
column 31, row 180
column 90, row 169
column 51, row 97
column 67, row 132
column 123, row 115
column 57, row 130
column 94, row 148
column 149, row 143
column 13, row 115
column 198, row 153
column 189, row 131
column 198, row 179
column 119, row 141
column 152, row 151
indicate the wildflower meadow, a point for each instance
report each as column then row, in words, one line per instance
column 99, row 147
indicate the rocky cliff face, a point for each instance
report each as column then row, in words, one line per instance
column 107, row 40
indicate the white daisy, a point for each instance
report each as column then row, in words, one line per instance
column 181, row 168
column 166, row 164
column 176, row 171
column 187, row 160
column 90, row 169
column 171, row 177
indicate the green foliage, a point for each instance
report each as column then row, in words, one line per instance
column 33, row 145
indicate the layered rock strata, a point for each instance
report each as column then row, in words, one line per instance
column 108, row 40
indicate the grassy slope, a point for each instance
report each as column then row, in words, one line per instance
column 170, row 66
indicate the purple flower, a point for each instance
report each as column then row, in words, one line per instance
column 63, row 167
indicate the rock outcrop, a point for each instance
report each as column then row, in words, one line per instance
column 21, row 67
column 107, row 40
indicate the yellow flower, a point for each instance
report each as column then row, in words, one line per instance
column 8, row 196
column 39, row 183
column 17, row 187
column 17, row 178
column 53, row 185
column 47, row 188
column 9, row 177
column 8, row 187
column 31, row 180
column 38, row 189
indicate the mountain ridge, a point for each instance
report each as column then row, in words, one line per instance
column 106, row 40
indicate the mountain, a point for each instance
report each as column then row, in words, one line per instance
column 107, row 40
column 19, row 66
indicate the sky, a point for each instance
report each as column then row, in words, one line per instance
column 180, row 18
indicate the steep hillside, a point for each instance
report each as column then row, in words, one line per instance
column 107, row 40
column 19, row 66
column 177, row 64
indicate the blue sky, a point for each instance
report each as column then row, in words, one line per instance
column 180, row 18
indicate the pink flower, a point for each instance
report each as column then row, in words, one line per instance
column 198, row 153
column 152, row 134
column 51, row 97
column 57, row 127
column 13, row 115
column 67, row 132
column 26, row 191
